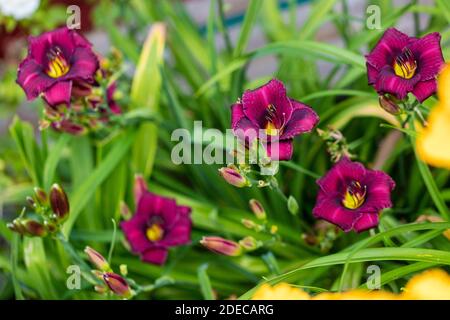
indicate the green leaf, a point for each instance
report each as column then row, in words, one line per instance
column 247, row 25
column 205, row 283
column 145, row 93
column 80, row 198
column 317, row 16
column 53, row 159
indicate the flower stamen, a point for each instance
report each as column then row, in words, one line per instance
column 354, row 196
column 405, row 65
column 155, row 232
column 57, row 64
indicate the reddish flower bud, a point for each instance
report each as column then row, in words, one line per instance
column 33, row 228
column 257, row 209
column 41, row 196
column 117, row 284
column 97, row 259
column 140, row 187
column 389, row 105
column 59, row 203
column 222, row 246
column 233, row 177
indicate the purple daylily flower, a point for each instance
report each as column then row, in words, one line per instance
column 400, row 64
column 56, row 61
column 158, row 223
column 352, row 196
column 270, row 115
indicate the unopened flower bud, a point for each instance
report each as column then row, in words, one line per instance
column 41, row 196
column 69, row 127
column 125, row 211
column 50, row 226
column 31, row 202
column 249, row 243
column 100, row 289
column 273, row 229
column 257, row 209
column 249, row 224
column 139, row 188
column 33, row 228
column 233, row 177
column 97, row 259
column 123, row 269
column 117, row 284
column 59, row 203
column 222, row 246
column 388, row 104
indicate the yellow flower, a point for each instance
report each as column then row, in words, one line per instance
column 281, row 291
column 433, row 145
column 429, row 285
column 356, row 295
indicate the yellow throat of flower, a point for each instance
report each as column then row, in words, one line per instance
column 155, row 232
column 57, row 65
column 405, row 65
column 271, row 130
column 354, row 196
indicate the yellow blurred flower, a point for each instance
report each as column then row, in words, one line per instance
column 433, row 145
column 429, row 285
column 357, row 295
column 281, row 291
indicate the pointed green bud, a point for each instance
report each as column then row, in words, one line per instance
column 292, row 205
column 59, row 203
column 249, row 243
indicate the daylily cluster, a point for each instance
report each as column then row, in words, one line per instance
column 158, row 224
column 112, row 282
column 50, row 212
column 430, row 285
column 62, row 68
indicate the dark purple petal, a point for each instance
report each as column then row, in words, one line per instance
column 59, row 93
column 379, row 187
column 303, row 119
column 366, row 221
column 134, row 231
column 389, row 82
column 145, row 206
column 391, row 44
column 372, row 74
column 246, row 130
column 256, row 102
column 156, row 255
column 330, row 209
column 424, row 89
column 61, row 38
column 340, row 175
column 84, row 64
column 32, row 79
column 80, row 40
column 179, row 234
column 237, row 113
column 280, row 150
column 428, row 54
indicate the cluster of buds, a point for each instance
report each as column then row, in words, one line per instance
column 262, row 225
column 336, row 143
column 93, row 106
column 323, row 235
column 111, row 282
column 50, row 212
